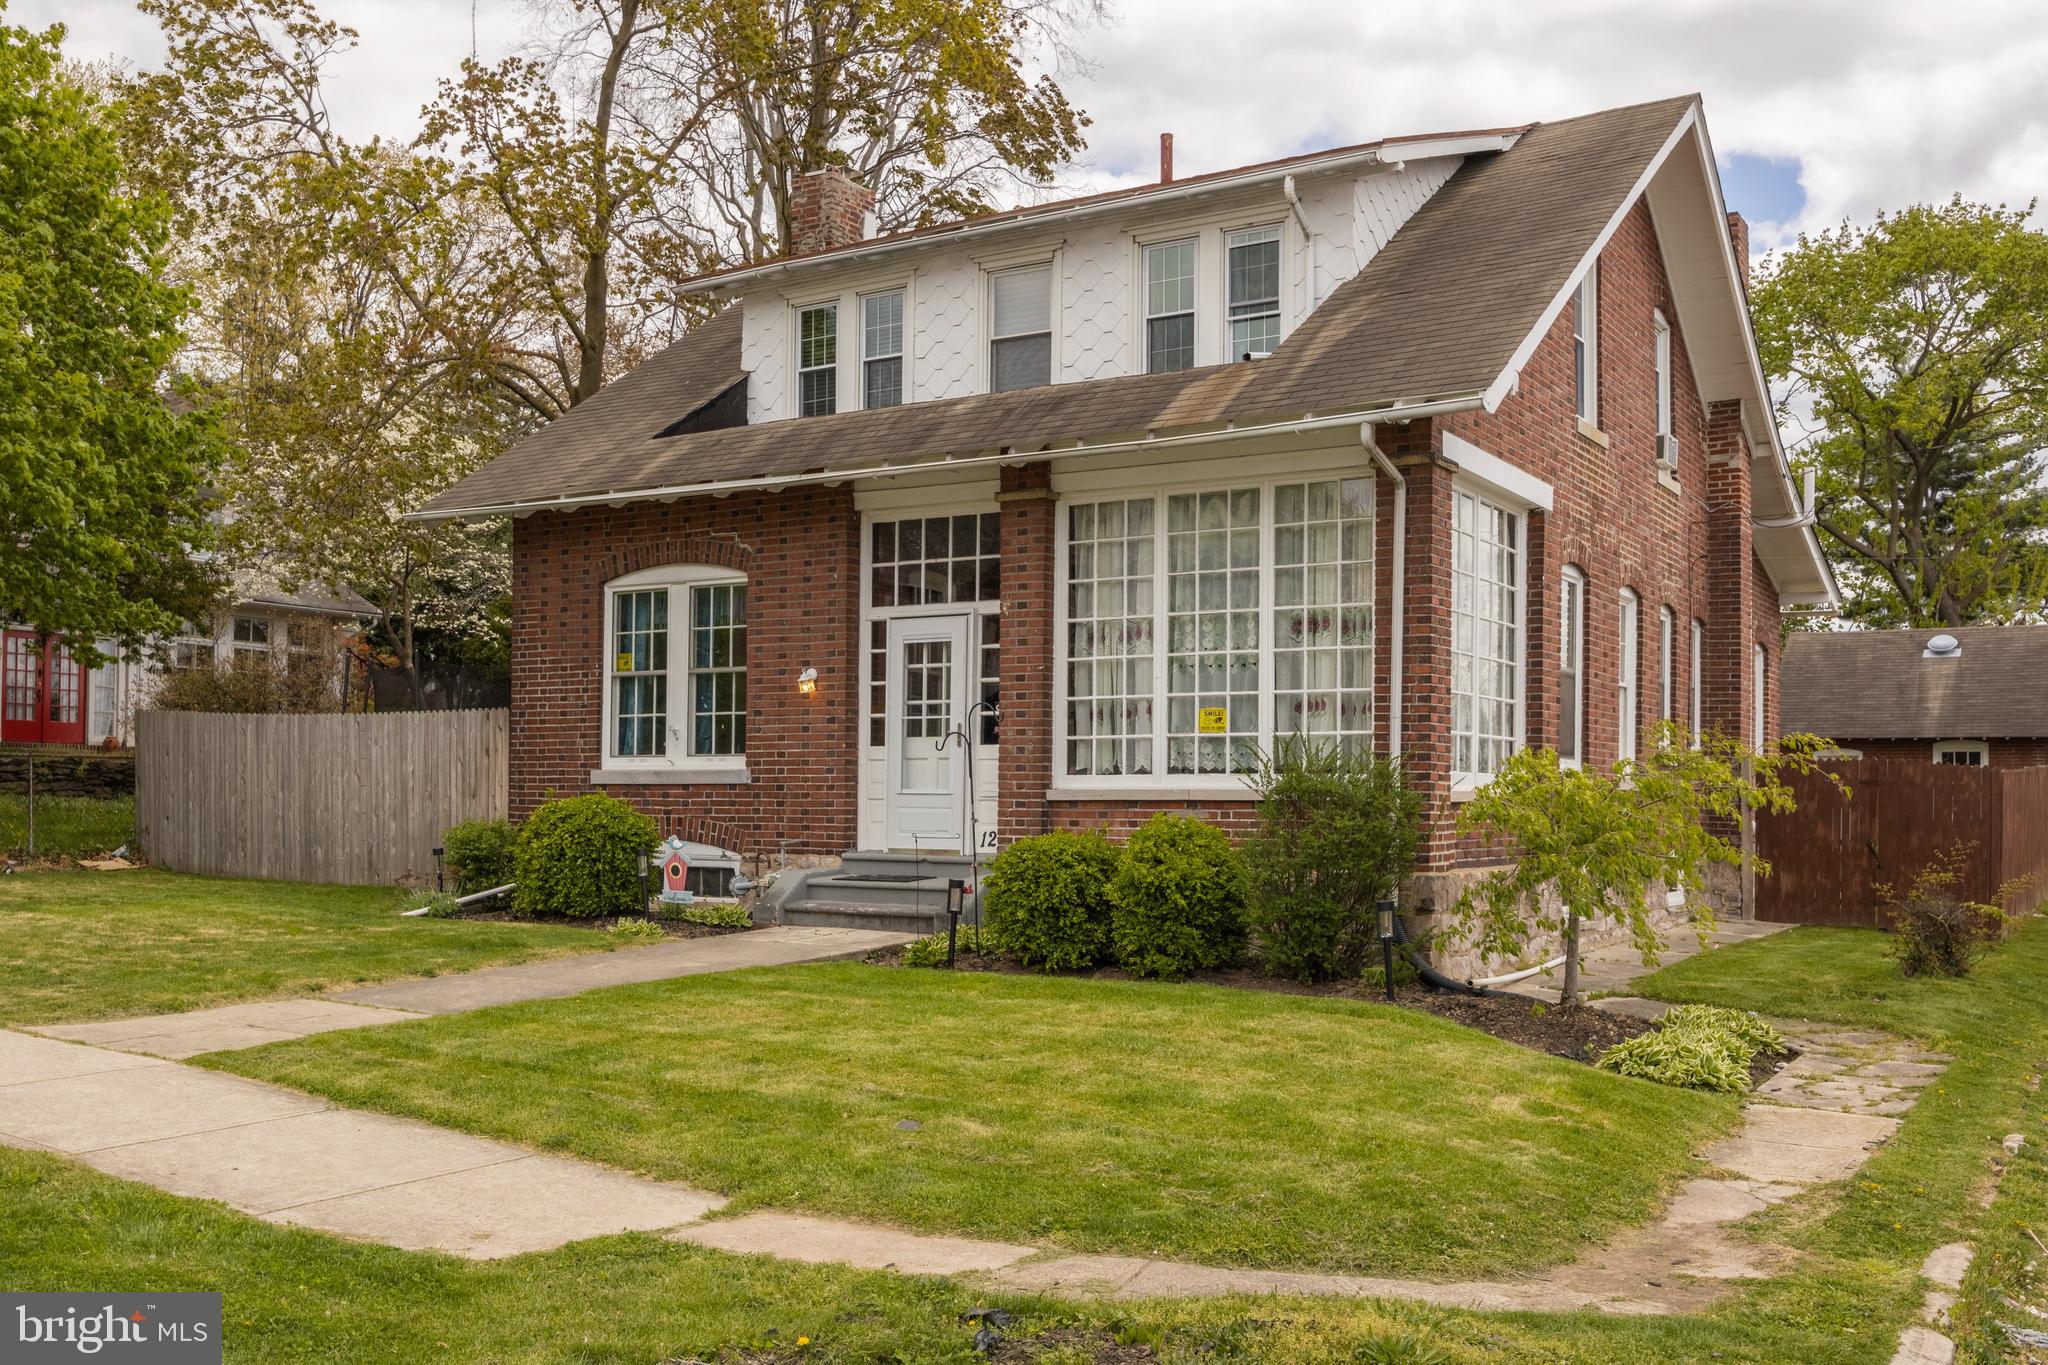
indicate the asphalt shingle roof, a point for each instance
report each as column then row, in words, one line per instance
column 1875, row 684
column 1438, row 312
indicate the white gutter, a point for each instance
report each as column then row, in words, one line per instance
column 1109, row 203
column 1393, row 412
column 1400, row 587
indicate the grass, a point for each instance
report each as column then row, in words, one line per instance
column 1199, row 1123
column 93, row 945
column 66, row 826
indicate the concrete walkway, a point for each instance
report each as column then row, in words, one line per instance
column 232, row 1027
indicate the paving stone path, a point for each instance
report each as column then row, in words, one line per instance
column 120, row 1107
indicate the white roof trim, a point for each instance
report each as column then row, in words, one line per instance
column 1512, row 480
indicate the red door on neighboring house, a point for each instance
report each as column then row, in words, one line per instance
column 42, row 692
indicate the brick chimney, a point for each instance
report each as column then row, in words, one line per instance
column 828, row 209
column 1166, row 158
column 1738, row 235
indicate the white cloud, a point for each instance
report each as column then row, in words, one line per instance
column 1881, row 103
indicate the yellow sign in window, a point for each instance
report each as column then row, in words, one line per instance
column 623, row 664
column 1213, row 720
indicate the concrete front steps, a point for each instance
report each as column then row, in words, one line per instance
column 902, row 893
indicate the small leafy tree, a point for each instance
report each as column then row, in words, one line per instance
column 1336, row 832
column 1937, row 930
column 1598, row 841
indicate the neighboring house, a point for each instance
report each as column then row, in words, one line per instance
column 48, row 697
column 1975, row 696
column 1440, row 446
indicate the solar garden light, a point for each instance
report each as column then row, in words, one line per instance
column 956, row 896
column 1386, row 909
column 440, row 881
column 643, row 881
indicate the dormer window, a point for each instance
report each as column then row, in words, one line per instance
column 881, row 350
column 1020, row 334
column 817, row 375
column 1169, row 307
column 1254, row 285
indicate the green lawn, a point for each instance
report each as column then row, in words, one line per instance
column 92, row 945
column 292, row 1295
column 66, row 826
column 1223, row 1126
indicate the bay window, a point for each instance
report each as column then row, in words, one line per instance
column 1486, row 646
column 676, row 668
column 1201, row 627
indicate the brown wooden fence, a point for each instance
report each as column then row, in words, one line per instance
column 1828, row 855
column 358, row 799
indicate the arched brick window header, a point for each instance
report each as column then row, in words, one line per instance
column 723, row 551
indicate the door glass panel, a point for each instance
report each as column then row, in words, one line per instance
column 20, row 679
column 927, row 715
column 65, row 687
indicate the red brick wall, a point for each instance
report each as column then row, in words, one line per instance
column 1026, row 767
column 2005, row 753
column 827, row 209
column 801, row 552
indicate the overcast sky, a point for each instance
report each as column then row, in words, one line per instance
column 1819, row 109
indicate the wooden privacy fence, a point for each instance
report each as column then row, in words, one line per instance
column 1828, row 855
column 357, row 799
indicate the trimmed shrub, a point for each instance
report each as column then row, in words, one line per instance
column 580, row 857
column 1177, row 900
column 716, row 914
column 1336, row 832
column 1700, row 1047
column 480, row 854
column 1044, row 899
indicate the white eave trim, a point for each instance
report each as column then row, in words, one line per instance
column 1389, row 154
column 1400, row 411
column 1497, row 474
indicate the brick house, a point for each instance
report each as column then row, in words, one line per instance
column 1438, row 445
column 1972, row 696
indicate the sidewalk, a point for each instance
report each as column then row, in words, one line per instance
column 232, row 1027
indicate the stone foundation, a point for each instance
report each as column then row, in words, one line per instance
column 69, row 771
column 1429, row 898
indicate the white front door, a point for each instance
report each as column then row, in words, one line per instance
column 929, row 667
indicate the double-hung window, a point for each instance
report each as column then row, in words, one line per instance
column 1663, row 357
column 881, row 349
column 1486, row 644
column 1586, row 347
column 1203, row 627
column 1253, row 284
column 1020, row 331
column 1698, row 663
column 817, row 364
column 676, row 668
column 1667, row 663
column 1571, row 668
column 1169, row 307
column 1625, row 692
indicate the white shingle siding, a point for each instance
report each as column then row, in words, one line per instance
column 1095, row 287
column 945, row 351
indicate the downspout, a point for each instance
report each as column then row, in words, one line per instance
column 1308, row 242
column 1399, row 600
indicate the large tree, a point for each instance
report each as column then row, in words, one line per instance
column 104, row 470
column 1917, row 350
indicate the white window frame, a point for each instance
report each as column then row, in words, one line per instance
column 1465, row 783
column 1667, row 663
column 796, row 352
column 1192, row 312
column 1946, row 751
column 1231, row 240
column 1571, row 640
column 1052, row 322
column 1262, row 473
column 1586, row 347
column 1699, row 662
column 1760, row 671
column 1629, row 650
column 238, row 645
column 901, row 355
column 679, row 580
column 1663, row 361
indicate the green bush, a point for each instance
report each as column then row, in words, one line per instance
column 930, row 951
column 1700, row 1047
column 1336, row 832
column 716, row 914
column 580, row 857
column 635, row 931
column 1044, row 899
column 480, row 854
column 1177, row 900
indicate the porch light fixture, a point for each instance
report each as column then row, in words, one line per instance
column 644, row 893
column 807, row 681
column 440, row 880
column 1386, row 909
